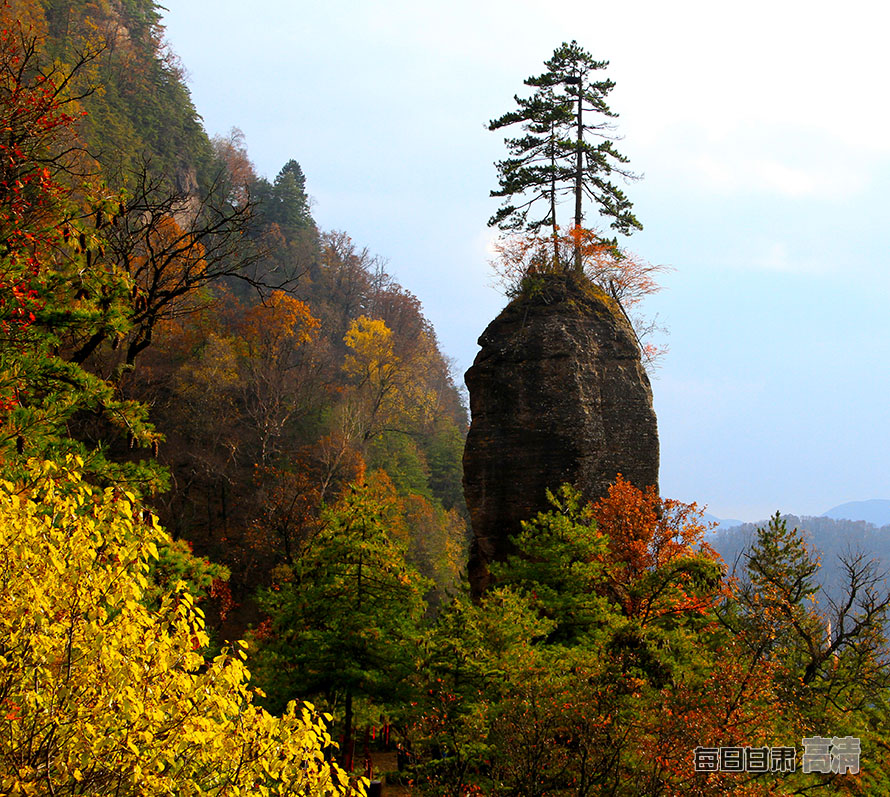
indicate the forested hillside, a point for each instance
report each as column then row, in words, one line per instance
column 217, row 420
column 276, row 362
column 177, row 332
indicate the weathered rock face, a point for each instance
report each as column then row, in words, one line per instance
column 557, row 394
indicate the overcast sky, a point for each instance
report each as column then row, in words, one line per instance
column 761, row 130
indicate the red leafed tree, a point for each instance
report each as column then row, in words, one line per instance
column 51, row 217
column 654, row 552
column 32, row 120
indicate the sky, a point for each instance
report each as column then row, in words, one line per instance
column 760, row 130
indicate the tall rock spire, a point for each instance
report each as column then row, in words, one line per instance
column 558, row 394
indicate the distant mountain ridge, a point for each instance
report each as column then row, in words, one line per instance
column 721, row 523
column 833, row 539
column 875, row 511
column 852, row 527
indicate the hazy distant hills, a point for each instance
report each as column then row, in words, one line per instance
column 832, row 538
column 722, row 523
column 876, row 511
column 848, row 529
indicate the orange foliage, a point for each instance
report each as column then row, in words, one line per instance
column 650, row 538
column 735, row 706
column 280, row 322
column 232, row 151
column 624, row 276
column 293, row 498
column 619, row 273
column 168, row 264
column 647, row 531
column 290, row 515
column 272, row 367
column 435, row 539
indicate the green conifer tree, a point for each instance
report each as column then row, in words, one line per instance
column 345, row 619
column 567, row 149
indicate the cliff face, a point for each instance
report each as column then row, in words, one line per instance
column 557, row 394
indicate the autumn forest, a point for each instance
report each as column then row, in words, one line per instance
column 233, row 533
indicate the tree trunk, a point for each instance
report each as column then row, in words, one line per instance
column 348, row 746
column 579, row 172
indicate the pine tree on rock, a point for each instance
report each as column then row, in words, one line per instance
column 534, row 169
column 559, row 154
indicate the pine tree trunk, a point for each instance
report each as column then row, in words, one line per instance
column 579, row 173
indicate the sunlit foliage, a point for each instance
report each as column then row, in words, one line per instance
column 103, row 695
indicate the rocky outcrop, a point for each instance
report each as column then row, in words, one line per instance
column 557, row 394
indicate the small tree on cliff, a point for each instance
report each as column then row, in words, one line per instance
column 558, row 154
column 522, row 262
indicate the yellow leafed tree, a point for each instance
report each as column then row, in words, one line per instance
column 101, row 695
column 390, row 388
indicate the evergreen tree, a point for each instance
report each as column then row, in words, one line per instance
column 594, row 666
column 288, row 203
column 559, row 155
column 829, row 665
column 534, row 168
column 344, row 622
